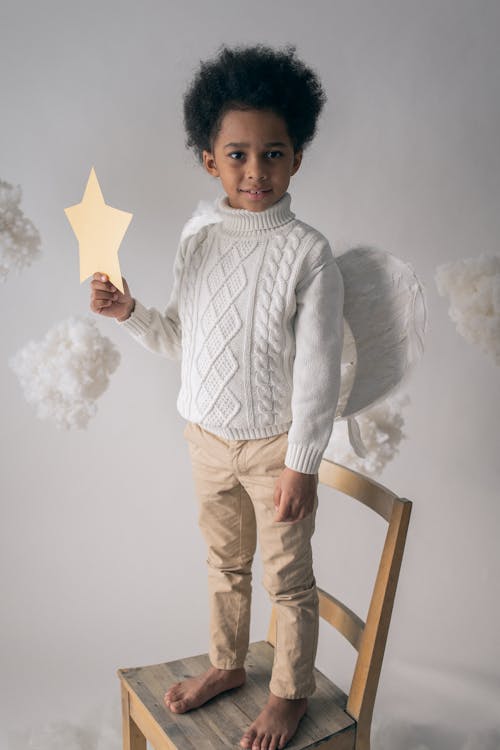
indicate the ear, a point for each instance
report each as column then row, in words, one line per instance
column 209, row 163
column 297, row 160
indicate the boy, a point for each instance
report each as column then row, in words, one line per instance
column 256, row 317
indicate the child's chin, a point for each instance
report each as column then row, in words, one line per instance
column 255, row 204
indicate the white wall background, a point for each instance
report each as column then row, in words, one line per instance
column 102, row 562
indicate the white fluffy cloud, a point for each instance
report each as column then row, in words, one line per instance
column 473, row 288
column 19, row 239
column 99, row 729
column 63, row 374
column 381, row 429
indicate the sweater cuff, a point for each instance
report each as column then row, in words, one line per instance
column 139, row 321
column 303, row 458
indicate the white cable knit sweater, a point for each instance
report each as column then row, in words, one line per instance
column 256, row 317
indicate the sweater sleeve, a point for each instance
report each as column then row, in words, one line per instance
column 160, row 333
column 319, row 334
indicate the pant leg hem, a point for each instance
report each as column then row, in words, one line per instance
column 225, row 664
column 293, row 694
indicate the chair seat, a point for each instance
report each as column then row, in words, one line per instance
column 220, row 722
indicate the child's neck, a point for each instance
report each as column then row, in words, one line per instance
column 238, row 220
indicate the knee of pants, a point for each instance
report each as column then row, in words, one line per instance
column 286, row 575
column 239, row 566
column 280, row 590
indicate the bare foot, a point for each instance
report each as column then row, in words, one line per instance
column 195, row 691
column 276, row 724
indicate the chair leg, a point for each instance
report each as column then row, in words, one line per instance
column 133, row 738
column 363, row 737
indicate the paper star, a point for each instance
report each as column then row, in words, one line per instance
column 99, row 229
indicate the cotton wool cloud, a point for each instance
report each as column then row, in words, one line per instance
column 19, row 239
column 381, row 429
column 100, row 728
column 64, row 374
column 472, row 286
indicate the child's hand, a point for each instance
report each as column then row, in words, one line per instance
column 294, row 495
column 107, row 300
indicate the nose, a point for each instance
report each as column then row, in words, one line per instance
column 256, row 168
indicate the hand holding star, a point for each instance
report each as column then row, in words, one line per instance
column 106, row 300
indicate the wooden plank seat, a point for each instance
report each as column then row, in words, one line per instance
column 220, row 722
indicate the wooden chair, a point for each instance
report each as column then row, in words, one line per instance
column 334, row 720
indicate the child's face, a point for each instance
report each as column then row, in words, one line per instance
column 253, row 151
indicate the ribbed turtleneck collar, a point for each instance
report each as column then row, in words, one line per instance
column 239, row 220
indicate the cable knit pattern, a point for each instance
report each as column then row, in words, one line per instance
column 256, row 312
column 220, row 322
column 272, row 392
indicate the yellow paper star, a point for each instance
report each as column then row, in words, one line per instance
column 99, row 229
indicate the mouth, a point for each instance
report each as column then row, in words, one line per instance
column 256, row 193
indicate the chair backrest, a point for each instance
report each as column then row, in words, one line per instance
column 368, row 638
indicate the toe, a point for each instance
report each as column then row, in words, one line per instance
column 266, row 741
column 257, row 742
column 282, row 741
column 274, row 744
column 177, row 706
column 172, row 692
column 248, row 738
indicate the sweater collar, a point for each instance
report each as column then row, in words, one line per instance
column 237, row 220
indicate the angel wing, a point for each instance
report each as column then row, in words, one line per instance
column 385, row 320
column 205, row 213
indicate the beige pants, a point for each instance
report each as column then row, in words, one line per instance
column 234, row 481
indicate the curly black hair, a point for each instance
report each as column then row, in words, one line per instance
column 252, row 77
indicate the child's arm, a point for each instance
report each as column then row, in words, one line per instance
column 319, row 335
column 160, row 333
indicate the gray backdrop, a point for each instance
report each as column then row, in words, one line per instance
column 102, row 562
